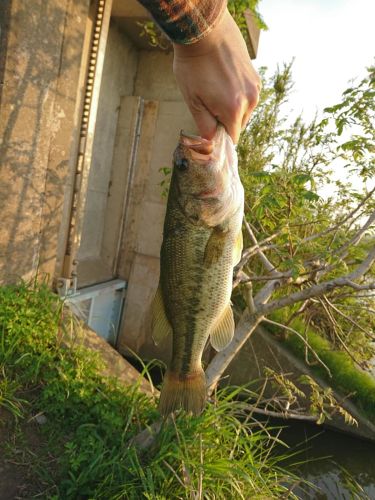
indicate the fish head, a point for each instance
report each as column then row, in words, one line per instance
column 208, row 186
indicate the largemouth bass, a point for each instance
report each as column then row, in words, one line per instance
column 202, row 242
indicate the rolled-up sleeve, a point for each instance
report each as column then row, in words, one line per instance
column 186, row 21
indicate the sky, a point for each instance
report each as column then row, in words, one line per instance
column 332, row 42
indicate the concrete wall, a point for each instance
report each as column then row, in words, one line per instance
column 40, row 65
column 119, row 72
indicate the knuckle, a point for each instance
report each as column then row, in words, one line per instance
column 252, row 94
column 235, row 106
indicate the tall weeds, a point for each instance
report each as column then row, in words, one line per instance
column 91, row 420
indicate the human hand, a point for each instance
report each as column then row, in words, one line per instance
column 217, row 79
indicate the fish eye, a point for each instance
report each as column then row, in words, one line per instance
column 182, row 164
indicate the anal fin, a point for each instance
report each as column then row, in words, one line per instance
column 161, row 327
column 223, row 331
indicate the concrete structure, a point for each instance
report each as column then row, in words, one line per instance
column 41, row 50
column 90, row 113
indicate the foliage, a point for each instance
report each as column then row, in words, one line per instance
column 91, row 420
column 321, row 402
column 237, row 8
column 318, row 226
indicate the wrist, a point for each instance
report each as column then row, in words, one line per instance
column 207, row 43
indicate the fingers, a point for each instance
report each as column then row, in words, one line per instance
column 246, row 118
column 242, row 117
column 234, row 115
column 205, row 121
column 236, row 118
column 234, row 129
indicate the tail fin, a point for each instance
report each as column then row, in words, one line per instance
column 183, row 391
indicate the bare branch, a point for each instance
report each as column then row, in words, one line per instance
column 222, row 359
column 284, row 415
column 321, row 288
column 262, row 245
column 358, row 307
column 348, row 318
column 249, row 298
column 358, row 236
column 341, row 222
column 267, row 264
column 355, row 296
column 337, row 328
column 303, row 340
column 265, row 293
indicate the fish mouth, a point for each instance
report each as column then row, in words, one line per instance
column 200, row 149
column 208, row 194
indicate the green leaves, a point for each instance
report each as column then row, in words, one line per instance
column 307, row 186
column 310, row 195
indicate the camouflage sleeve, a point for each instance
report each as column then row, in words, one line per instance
column 186, row 21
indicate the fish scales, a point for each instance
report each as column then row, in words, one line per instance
column 202, row 242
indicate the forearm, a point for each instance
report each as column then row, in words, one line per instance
column 186, row 21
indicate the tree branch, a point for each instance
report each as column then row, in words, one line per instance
column 222, row 359
column 321, row 288
column 303, row 340
column 249, row 252
column 267, row 264
column 348, row 318
column 284, row 415
column 357, row 237
column 341, row 222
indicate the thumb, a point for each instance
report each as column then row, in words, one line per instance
column 205, row 121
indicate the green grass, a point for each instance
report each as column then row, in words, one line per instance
column 91, row 419
column 346, row 377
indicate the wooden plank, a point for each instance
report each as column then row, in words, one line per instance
column 129, row 242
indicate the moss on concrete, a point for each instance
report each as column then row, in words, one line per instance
column 346, row 378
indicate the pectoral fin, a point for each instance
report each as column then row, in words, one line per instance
column 214, row 247
column 161, row 327
column 223, row 331
column 237, row 250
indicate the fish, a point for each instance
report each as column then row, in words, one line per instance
column 202, row 242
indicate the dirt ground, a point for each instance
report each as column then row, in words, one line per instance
column 20, row 445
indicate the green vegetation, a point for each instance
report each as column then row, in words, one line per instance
column 91, row 419
column 346, row 376
column 310, row 203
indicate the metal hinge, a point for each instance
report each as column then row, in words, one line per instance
column 66, row 287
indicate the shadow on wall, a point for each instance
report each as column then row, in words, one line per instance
column 38, row 55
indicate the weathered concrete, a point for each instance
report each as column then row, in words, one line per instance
column 114, row 365
column 155, row 79
column 138, row 174
column 64, row 136
column 263, row 350
column 118, row 80
column 34, row 107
